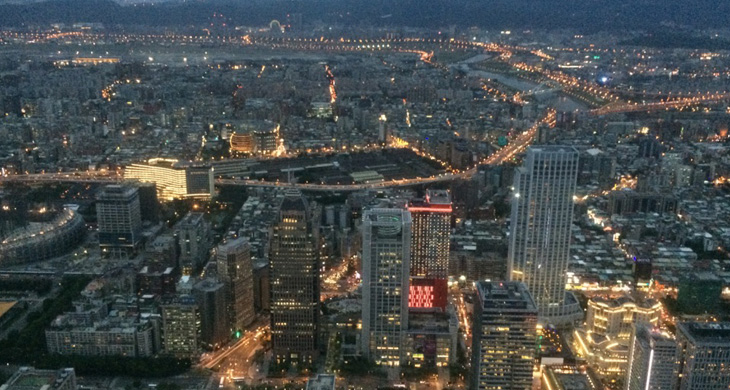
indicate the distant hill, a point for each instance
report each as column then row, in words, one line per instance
column 582, row 15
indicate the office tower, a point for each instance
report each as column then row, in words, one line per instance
column 653, row 360
column 235, row 271
column 119, row 220
column 180, row 327
column 430, row 250
column 504, row 337
column 386, row 246
column 294, row 260
column 542, row 215
column 705, row 355
column 193, row 237
column 211, row 299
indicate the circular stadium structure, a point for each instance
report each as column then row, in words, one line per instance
column 43, row 240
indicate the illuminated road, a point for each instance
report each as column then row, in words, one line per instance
column 516, row 146
column 424, row 48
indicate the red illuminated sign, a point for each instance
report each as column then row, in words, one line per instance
column 420, row 297
column 425, row 293
column 431, row 208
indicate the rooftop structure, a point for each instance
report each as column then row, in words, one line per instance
column 29, row 378
column 321, row 382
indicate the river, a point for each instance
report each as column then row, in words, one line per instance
column 559, row 101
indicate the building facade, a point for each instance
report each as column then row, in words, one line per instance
column 653, row 360
column 210, row 295
column 542, row 216
column 504, row 336
column 294, row 262
column 431, row 232
column 235, row 270
column 705, row 359
column 174, row 179
column 386, row 245
column 119, row 219
column 180, row 327
column 194, row 241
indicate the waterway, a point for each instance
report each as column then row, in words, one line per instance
column 559, row 101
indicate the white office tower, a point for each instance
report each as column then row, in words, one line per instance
column 386, row 247
column 542, row 215
column 504, row 335
column 653, row 360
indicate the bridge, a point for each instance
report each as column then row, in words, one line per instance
column 680, row 103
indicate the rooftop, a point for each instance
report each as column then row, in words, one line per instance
column 706, row 332
column 28, row 378
column 321, row 382
column 505, row 295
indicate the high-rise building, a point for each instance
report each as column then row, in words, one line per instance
column 211, row 299
column 653, row 360
column 119, row 219
column 705, row 359
column 430, row 250
column 294, row 262
column 542, row 216
column 386, row 246
column 180, row 327
column 235, row 270
column 193, row 238
column 504, row 336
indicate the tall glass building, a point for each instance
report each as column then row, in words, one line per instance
column 236, row 271
column 542, row 215
column 653, row 360
column 504, row 337
column 294, row 258
column 386, row 245
column 430, row 250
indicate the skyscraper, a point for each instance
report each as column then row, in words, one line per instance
column 705, row 359
column 236, row 272
column 653, row 360
column 386, row 245
column 193, row 237
column 294, row 259
column 542, row 216
column 504, row 335
column 119, row 219
column 430, row 250
column 180, row 326
column 211, row 299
